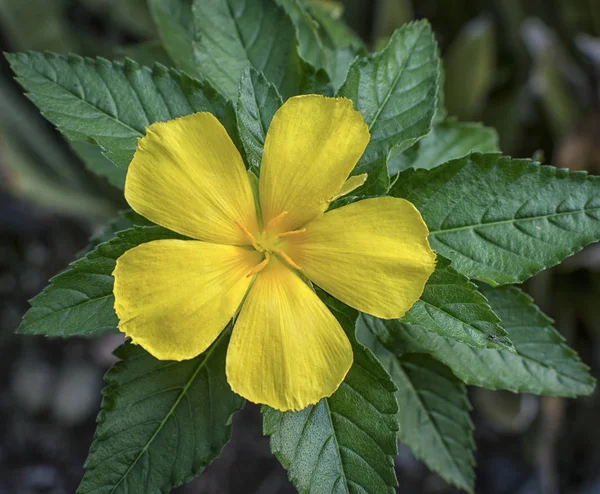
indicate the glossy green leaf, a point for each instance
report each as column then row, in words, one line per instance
column 218, row 39
column 542, row 364
column 257, row 102
column 161, row 422
column 451, row 306
column 345, row 443
column 79, row 301
column 447, row 141
column 111, row 103
column 433, row 415
column 396, row 92
column 501, row 220
column 175, row 25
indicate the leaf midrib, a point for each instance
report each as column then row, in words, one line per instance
column 396, row 79
column 426, row 411
column 78, row 98
column 168, row 415
column 510, row 221
column 464, row 323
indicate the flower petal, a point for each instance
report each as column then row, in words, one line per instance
column 174, row 297
column 311, row 147
column 372, row 255
column 187, row 175
column 287, row 350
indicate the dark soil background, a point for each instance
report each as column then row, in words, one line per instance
column 530, row 68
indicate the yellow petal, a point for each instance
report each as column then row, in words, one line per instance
column 187, row 175
column 311, row 147
column 287, row 350
column 372, row 255
column 174, row 297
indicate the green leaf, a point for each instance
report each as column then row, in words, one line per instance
column 111, row 103
column 345, row 443
column 125, row 220
column 94, row 161
column 447, row 141
column 451, row 306
column 258, row 101
column 218, row 39
column 396, row 92
column 434, row 415
column 161, row 422
column 501, row 220
column 79, row 301
column 542, row 364
column 310, row 45
column 470, row 68
column 175, row 24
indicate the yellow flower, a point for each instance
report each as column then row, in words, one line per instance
column 174, row 297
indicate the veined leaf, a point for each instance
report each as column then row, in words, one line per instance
column 94, row 161
column 79, row 301
column 258, row 101
column 396, row 92
column 125, row 220
column 434, row 415
column 111, row 103
column 345, row 443
column 175, row 24
column 501, row 220
column 161, row 422
column 451, row 306
column 542, row 364
column 447, row 141
column 217, row 39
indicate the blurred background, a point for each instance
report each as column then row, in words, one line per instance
column 529, row 68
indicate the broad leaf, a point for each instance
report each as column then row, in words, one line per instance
column 396, row 92
column 161, row 422
column 111, row 103
column 79, row 301
column 94, row 161
column 451, row 306
column 542, row 364
column 258, row 101
column 175, row 24
column 502, row 220
column 434, row 415
column 125, row 220
column 345, row 443
column 217, row 39
column 447, row 141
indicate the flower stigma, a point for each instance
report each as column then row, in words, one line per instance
column 271, row 244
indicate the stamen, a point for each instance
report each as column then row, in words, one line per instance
column 259, row 267
column 275, row 220
column 292, row 233
column 248, row 235
column 288, row 259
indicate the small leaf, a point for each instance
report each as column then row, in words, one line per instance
column 501, row 220
column 396, row 92
column 111, row 103
column 447, row 141
column 451, row 306
column 79, row 301
column 434, row 415
column 161, row 422
column 258, row 101
column 94, row 161
column 217, row 39
column 542, row 364
column 345, row 443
